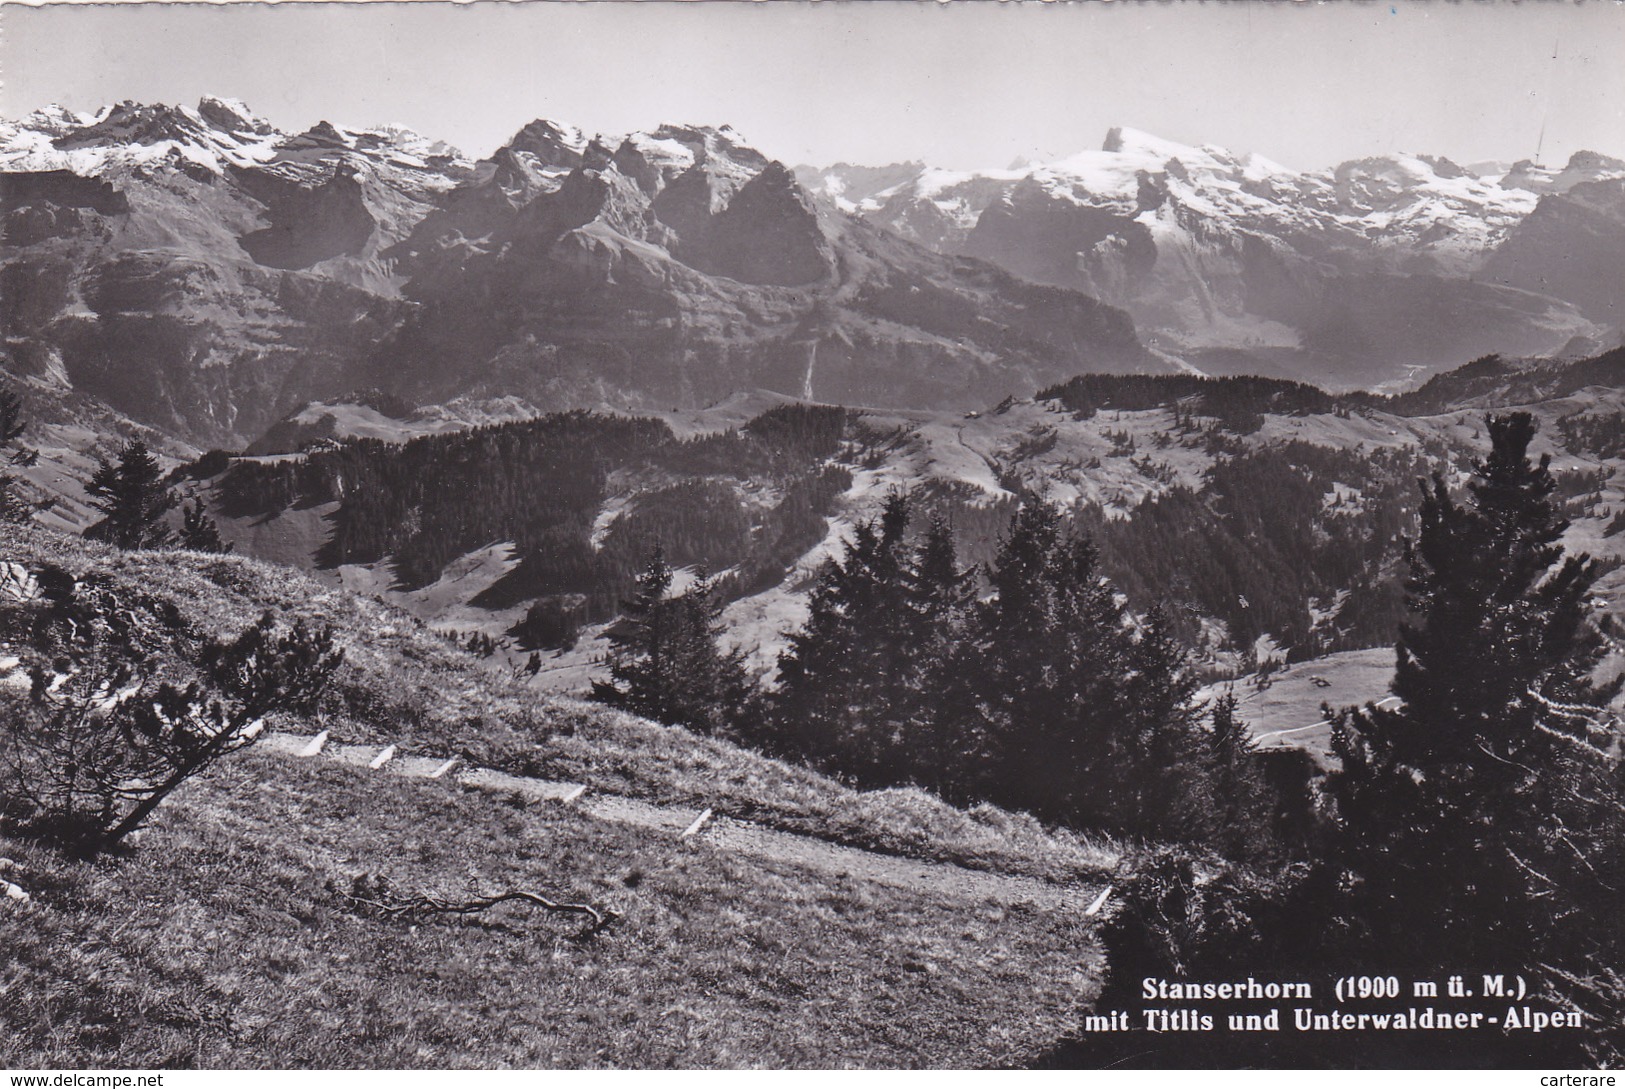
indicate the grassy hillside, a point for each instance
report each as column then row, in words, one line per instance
column 404, row 685
column 224, row 937
column 225, row 940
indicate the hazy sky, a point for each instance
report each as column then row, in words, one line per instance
column 962, row 85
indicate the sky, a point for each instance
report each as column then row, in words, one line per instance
column 962, row 85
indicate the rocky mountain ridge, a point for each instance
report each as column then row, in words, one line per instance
column 1348, row 276
column 203, row 273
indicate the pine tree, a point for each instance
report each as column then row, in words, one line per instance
column 718, row 690
column 1491, row 793
column 1065, row 710
column 665, row 662
column 843, row 684
column 1162, row 736
column 1046, row 662
column 1228, row 735
column 940, row 598
column 199, row 533
column 133, row 499
column 1241, row 804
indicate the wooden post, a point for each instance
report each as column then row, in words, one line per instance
column 699, row 822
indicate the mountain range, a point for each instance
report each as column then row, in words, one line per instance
column 460, row 415
column 205, row 274
column 201, row 272
column 1351, row 276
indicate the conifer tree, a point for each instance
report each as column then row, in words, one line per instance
column 1228, row 735
column 133, row 499
column 1050, row 652
column 1241, row 803
column 1162, row 736
column 842, row 681
column 665, row 662
column 940, row 599
column 199, row 533
column 1493, row 792
column 1065, row 710
column 718, row 689
column 863, row 684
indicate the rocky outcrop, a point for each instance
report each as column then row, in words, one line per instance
column 1582, row 167
column 768, row 234
column 232, row 116
column 689, row 205
column 61, row 188
column 310, row 223
column 547, row 144
column 133, row 123
column 1572, row 246
column 36, row 206
column 1052, row 240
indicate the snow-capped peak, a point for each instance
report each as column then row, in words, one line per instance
column 128, row 133
column 664, row 151
column 1128, row 141
column 1583, row 166
column 232, row 115
column 219, row 133
column 1256, row 167
column 1405, row 204
column 553, row 133
column 55, row 119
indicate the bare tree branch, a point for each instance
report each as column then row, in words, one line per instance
column 377, row 895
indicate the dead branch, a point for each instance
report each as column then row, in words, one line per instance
column 1526, row 868
column 1596, row 718
column 1569, row 843
column 378, row 896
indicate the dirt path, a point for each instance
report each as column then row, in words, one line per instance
column 726, row 833
column 1261, row 738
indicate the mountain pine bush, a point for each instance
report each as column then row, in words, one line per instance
column 120, row 714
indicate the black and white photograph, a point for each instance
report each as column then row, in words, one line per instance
column 884, row 536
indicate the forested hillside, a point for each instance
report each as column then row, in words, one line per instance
column 746, row 501
column 1267, row 518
